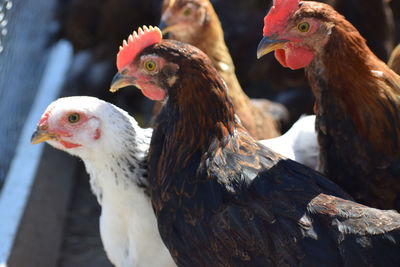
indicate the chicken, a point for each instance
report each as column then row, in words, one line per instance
column 221, row 198
column 114, row 149
column 299, row 143
column 394, row 60
column 195, row 22
column 357, row 97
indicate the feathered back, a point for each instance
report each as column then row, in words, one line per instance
column 364, row 86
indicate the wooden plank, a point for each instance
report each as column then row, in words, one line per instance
column 40, row 233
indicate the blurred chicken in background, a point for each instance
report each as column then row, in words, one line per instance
column 195, row 22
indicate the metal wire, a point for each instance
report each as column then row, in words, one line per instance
column 5, row 6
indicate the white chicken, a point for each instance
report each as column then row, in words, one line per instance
column 114, row 149
column 299, row 143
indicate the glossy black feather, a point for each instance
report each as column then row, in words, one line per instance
column 222, row 199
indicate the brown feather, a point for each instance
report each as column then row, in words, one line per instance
column 357, row 106
column 210, row 39
column 222, row 199
column 356, row 85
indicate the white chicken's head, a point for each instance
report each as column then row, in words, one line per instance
column 77, row 124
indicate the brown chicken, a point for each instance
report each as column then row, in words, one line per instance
column 357, row 97
column 394, row 60
column 223, row 199
column 195, row 22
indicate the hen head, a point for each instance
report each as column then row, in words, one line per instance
column 296, row 31
column 184, row 19
column 157, row 66
column 76, row 125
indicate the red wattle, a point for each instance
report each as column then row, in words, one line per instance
column 281, row 57
column 67, row 144
column 294, row 57
column 152, row 92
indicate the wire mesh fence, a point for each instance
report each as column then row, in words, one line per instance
column 26, row 27
column 5, row 6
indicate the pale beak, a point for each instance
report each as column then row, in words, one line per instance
column 269, row 44
column 163, row 25
column 120, row 81
column 165, row 28
column 41, row 135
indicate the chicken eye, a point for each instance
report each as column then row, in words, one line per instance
column 74, row 118
column 303, row 26
column 187, row 11
column 150, row 65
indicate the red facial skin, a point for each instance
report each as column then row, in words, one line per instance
column 295, row 54
column 64, row 128
column 144, row 78
column 67, row 144
column 151, row 91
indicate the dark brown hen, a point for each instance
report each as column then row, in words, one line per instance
column 195, row 22
column 221, row 198
column 357, row 98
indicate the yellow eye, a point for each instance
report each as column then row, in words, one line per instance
column 304, row 26
column 187, row 11
column 74, row 118
column 150, row 65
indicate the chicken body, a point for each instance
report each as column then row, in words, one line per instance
column 195, row 22
column 221, row 198
column 114, row 149
column 357, row 98
column 299, row 143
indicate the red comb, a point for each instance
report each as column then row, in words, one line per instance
column 45, row 117
column 278, row 15
column 137, row 41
